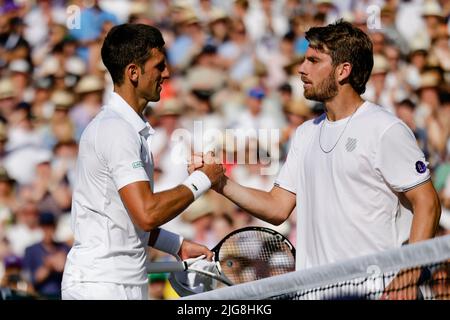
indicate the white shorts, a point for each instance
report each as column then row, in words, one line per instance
column 104, row 291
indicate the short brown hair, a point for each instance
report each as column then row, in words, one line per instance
column 345, row 43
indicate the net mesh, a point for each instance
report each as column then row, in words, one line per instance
column 253, row 254
column 417, row 271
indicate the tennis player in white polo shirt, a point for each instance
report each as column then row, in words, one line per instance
column 349, row 171
column 114, row 208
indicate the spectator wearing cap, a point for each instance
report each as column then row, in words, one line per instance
column 387, row 16
column 376, row 88
column 188, row 42
column 168, row 154
column 13, row 277
column 60, row 127
column 20, row 71
column 237, row 53
column 7, row 97
column 90, row 91
column 253, row 118
column 218, row 26
column 296, row 112
column 432, row 114
column 433, row 17
column 199, row 215
column 45, row 260
column 157, row 283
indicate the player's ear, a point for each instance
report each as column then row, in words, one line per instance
column 131, row 72
column 343, row 71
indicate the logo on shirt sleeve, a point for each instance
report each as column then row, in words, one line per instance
column 421, row 167
column 137, row 164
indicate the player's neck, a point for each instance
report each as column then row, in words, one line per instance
column 131, row 98
column 343, row 105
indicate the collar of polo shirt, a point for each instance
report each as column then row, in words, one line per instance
column 121, row 107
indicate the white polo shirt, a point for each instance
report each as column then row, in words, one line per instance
column 114, row 152
column 347, row 199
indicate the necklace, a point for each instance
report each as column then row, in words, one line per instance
column 340, row 136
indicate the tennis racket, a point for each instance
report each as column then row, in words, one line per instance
column 244, row 255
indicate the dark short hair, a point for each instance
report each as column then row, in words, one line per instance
column 345, row 43
column 407, row 103
column 129, row 43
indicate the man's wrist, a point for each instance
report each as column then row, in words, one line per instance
column 198, row 182
column 168, row 242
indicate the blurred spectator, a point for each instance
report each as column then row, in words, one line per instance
column 221, row 226
column 60, row 128
column 157, row 283
column 12, row 42
column 7, row 97
column 405, row 111
column 8, row 199
column 92, row 19
column 45, row 260
column 237, row 53
column 234, row 64
column 189, row 40
column 296, row 112
column 376, row 89
column 25, row 231
column 200, row 216
column 3, row 140
column 20, row 71
column 50, row 188
column 90, row 90
column 253, row 116
column 39, row 19
column 168, row 155
column 13, row 275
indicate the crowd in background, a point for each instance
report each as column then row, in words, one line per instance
column 234, row 65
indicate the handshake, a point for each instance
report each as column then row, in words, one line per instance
column 210, row 166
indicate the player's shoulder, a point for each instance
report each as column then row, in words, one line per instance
column 374, row 117
column 112, row 123
column 108, row 125
column 310, row 125
column 378, row 113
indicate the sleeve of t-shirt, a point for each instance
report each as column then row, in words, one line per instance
column 121, row 150
column 399, row 159
column 287, row 178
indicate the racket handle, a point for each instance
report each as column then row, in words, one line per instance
column 171, row 266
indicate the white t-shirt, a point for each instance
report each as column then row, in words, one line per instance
column 347, row 203
column 114, row 152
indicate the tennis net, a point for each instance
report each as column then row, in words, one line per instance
column 416, row 271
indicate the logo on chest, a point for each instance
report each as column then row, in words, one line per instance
column 351, row 144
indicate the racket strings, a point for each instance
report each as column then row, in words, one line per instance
column 254, row 255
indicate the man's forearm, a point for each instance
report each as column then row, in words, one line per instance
column 425, row 221
column 260, row 204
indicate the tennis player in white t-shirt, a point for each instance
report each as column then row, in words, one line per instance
column 352, row 172
column 114, row 208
